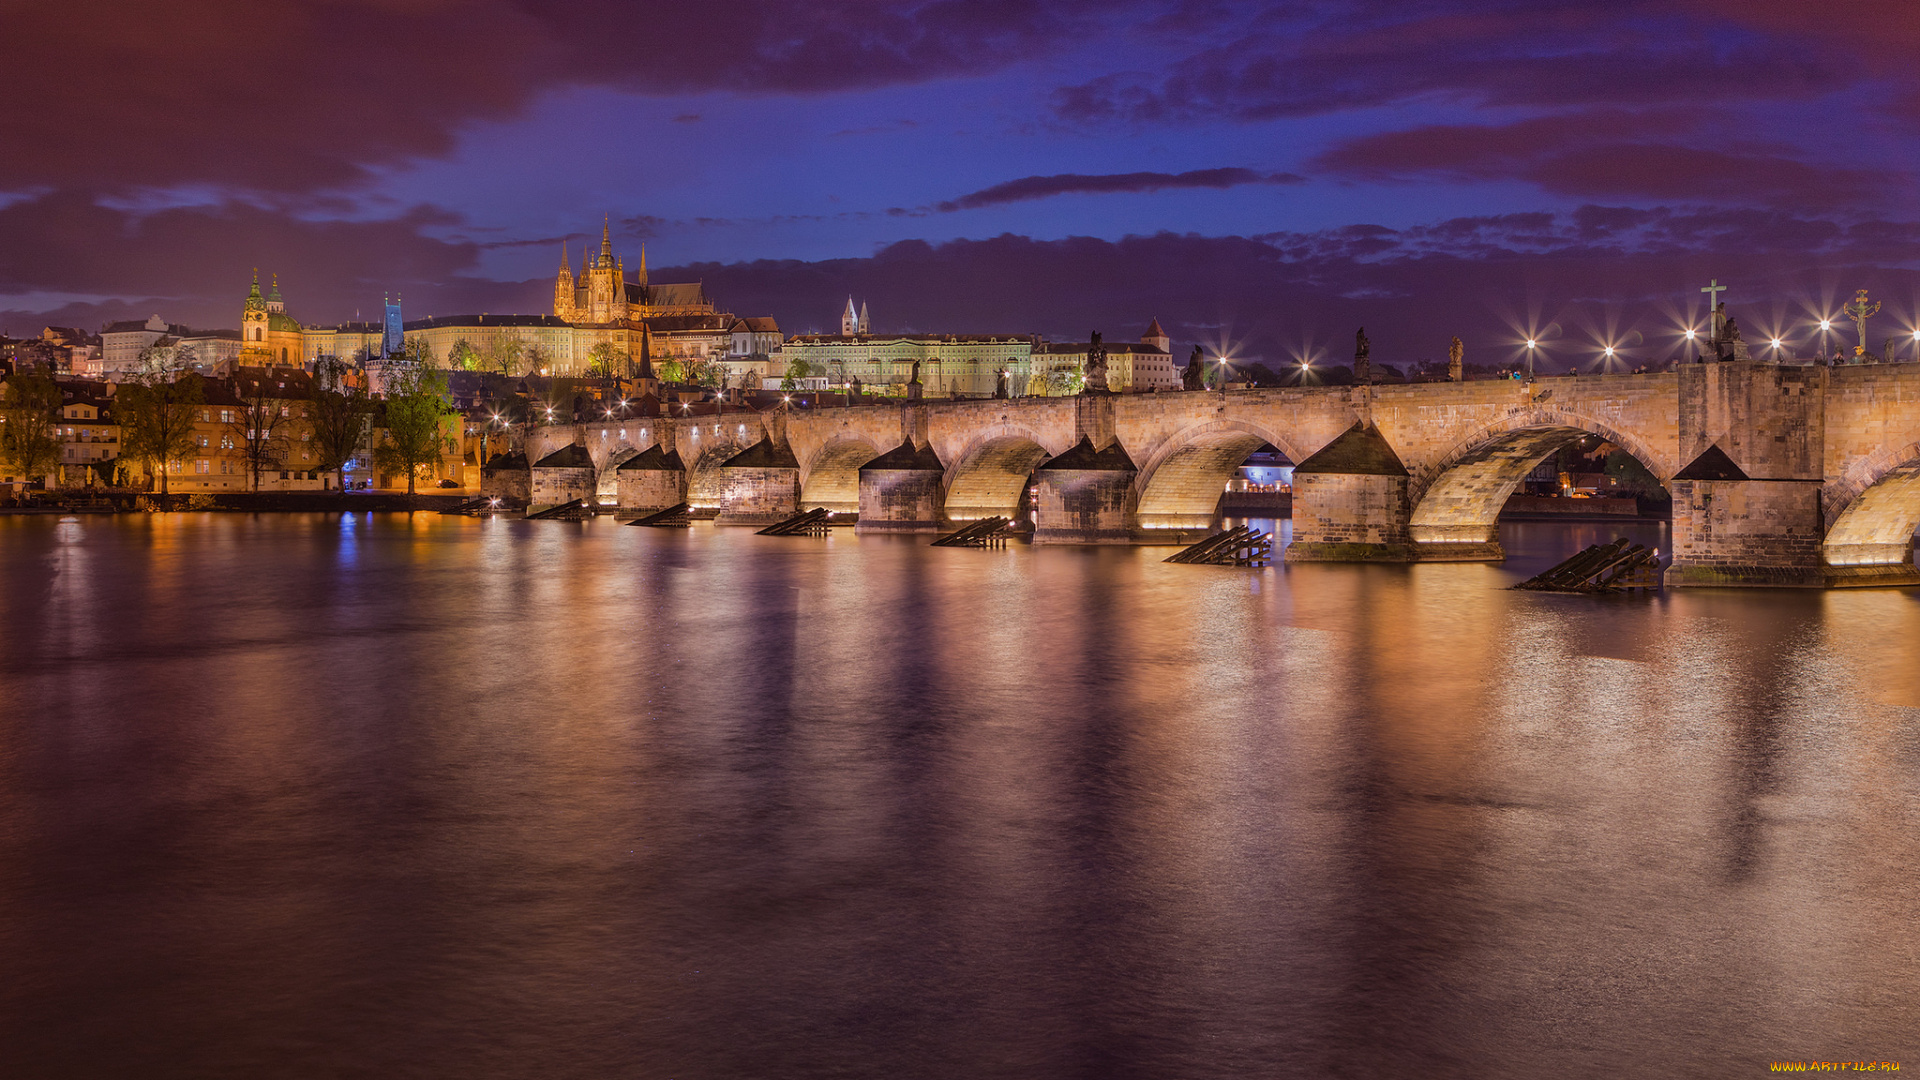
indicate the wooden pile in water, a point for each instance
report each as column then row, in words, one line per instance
column 577, row 510
column 673, row 517
column 806, row 523
column 1239, row 546
column 1602, row 568
column 985, row 533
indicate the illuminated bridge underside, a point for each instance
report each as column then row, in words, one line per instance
column 833, row 481
column 1184, row 492
column 1462, row 506
column 988, row 482
column 707, row 485
column 1878, row 528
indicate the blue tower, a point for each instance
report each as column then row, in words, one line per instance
column 393, row 338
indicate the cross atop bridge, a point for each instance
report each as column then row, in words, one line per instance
column 1713, row 289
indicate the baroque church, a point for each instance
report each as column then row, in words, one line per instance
column 601, row 295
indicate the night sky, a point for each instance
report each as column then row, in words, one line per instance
column 1262, row 177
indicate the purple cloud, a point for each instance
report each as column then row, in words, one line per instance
column 1045, row 187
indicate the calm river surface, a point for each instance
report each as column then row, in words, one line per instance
column 305, row 796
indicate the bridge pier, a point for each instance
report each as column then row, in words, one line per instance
column 650, row 481
column 903, row 491
column 1085, row 496
column 1746, row 533
column 1350, row 503
column 760, row 485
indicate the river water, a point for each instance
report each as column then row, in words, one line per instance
column 379, row 796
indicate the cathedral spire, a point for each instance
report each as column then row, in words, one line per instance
column 606, row 241
column 566, row 264
column 643, row 264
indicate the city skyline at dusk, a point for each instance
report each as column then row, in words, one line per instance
column 1260, row 178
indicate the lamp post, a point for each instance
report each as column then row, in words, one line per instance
column 1532, row 344
column 1826, row 326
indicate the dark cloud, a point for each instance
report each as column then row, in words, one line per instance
column 192, row 263
column 300, row 97
column 1487, row 279
column 1334, row 56
column 1044, row 187
column 1606, row 154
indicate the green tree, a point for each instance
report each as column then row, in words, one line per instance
column 157, row 410
column 506, row 354
column 1627, row 472
column 533, row 361
column 671, row 371
column 1065, row 382
column 797, row 369
column 29, row 413
column 464, row 357
column 416, row 400
column 341, row 406
column 608, row 360
column 417, row 352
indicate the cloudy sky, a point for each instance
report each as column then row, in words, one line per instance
column 1263, row 177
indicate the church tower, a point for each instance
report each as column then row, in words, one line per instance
column 849, row 320
column 253, row 319
column 865, row 328
column 563, row 287
column 1157, row 338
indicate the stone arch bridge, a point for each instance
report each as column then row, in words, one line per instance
column 1803, row 476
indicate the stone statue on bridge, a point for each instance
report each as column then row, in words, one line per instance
column 1362, row 353
column 1455, row 372
column 1096, row 377
column 1731, row 345
column 913, row 382
column 1195, row 377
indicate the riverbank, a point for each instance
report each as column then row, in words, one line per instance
column 279, row 502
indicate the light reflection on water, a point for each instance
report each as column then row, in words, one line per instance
column 437, row 796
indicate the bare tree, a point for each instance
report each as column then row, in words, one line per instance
column 156, row 418
column 259, row 427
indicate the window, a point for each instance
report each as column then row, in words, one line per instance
column 201, row 466
column 203, row 440
column 286, row 476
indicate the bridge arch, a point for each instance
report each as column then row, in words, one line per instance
column 1458, row 499
column 989, row 476
column 706, row 487
column 607, row 486
column 831, row 478
column 1179, row 484
column 1875, row 508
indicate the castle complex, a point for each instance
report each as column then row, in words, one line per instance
column 603, row 322
column 598, row 319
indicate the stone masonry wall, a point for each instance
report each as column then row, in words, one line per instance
column 551, row 486
column 901, row 500
column 759, row 496
column 1745, row 532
